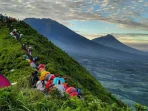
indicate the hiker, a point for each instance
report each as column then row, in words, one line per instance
column 43, row 72
column 24, row 46
column 41, row 68
column 26, row 57
column 20, row 36
column 30, row 60
column 11, row 33
column 34, row 79
column 79, row 92
column 17, row 36
column 35, row 59
column 14, row 32
column 32, row 64
column 28, row 50
column 40, row 85
column 60, row 87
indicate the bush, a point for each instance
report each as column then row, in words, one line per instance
column 140, row 107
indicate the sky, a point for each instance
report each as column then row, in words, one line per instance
column 127, row 20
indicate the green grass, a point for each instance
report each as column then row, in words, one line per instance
column 23, row 98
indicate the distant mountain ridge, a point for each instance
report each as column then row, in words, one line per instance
column 73, row 43
column 110, row 41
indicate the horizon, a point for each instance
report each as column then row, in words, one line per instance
column 91, row 18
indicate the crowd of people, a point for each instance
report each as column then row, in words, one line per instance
column 47, row 81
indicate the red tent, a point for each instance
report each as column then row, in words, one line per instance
column 4, row 82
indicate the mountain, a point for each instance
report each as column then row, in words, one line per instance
column 16, row 69
column 111, row 41
column 75, row 44
column 61, row 35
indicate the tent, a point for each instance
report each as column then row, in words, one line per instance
column 4, row 82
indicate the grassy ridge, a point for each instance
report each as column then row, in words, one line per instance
column 23, row 97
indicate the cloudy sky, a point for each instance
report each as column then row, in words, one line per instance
column 127, row 20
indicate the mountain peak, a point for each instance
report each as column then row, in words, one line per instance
column 109, row 36
column 110, row 41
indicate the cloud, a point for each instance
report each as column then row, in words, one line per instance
column 128, row 14
column 143, row 47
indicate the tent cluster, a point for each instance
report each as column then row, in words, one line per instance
column 46, row 81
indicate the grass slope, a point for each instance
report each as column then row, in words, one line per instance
column 23, row 98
